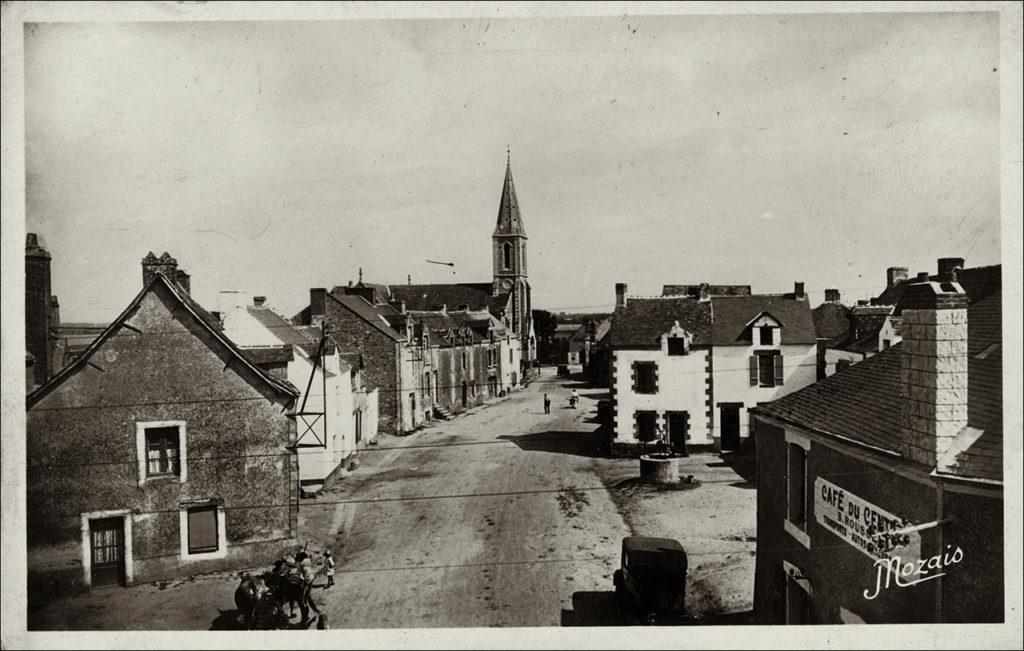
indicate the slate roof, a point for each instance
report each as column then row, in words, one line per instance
column 862, row 403
column 693, row 291
column 831, row 322
column 270, row 354
column 285, row 331
column 369, row 313
column 733, row 313
column 203, row 317
column 642, row 321
column 978, row 282
column 474, row 296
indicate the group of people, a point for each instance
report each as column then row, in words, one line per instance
column 574, row 398
column 300, row 564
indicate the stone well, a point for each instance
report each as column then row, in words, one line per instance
column 659, row 469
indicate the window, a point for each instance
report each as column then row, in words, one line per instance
column 886, row 343
column 506, row 256
column 841, row 364
column 646, row 425
column 676, row 346
column 160, row 450
column 796, row 488
column 767, row 335
column 203, row 530
column 509, row 355
column 766, row 369
column 463, row 354
column 645, row 377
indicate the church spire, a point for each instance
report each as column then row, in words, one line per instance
column 509, row 220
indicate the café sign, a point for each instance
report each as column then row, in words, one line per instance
column 870, row 529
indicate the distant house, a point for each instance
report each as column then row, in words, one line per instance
column 309, row 359
column 163, row 450
column 685, row 370
column 885, row 502
column 871, row 329
column 564, row 333
column 831, row 326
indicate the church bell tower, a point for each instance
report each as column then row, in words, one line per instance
column 509, row 251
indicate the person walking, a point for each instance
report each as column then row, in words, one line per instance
column 329, row 568
column 547, row 404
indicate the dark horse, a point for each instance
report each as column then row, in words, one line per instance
column 291, row 589
column 249, row 596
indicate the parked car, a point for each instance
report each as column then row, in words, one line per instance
column 651, row 581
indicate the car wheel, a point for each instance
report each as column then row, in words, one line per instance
column 652, row 618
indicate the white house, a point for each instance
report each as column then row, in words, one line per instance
column 326, row 418
column 685, row 370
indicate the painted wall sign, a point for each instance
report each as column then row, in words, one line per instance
column 864, row 525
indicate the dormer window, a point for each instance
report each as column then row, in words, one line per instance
column 767, row 335
column 677, row 346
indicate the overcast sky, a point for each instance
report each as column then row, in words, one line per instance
column 274, row 157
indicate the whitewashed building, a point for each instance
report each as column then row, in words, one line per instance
column 685, row 370
column 326, row 418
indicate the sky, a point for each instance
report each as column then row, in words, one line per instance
column 272, row 157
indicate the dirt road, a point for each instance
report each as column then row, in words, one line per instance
column 495, row 518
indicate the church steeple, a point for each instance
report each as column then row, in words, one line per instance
column 509, row 220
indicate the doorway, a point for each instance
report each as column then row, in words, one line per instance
column 730, row 426
column 678, row 426
column 106, row 542
column 465, row 393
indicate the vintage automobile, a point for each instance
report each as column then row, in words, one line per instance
column 652, row 580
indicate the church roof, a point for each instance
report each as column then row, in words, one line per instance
column 509, row 220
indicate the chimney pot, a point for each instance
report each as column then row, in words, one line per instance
column 620, row 295
column 894, row 275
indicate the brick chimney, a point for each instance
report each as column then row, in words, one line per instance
column 933, row 394
column 317, row 305
column 38, row 311
column 895, row 275
column 165, row 265
column 832, row 296
column 620, row 295
column 798, row 292
column 948, row 266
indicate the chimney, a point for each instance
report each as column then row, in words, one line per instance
column 317, row 305
column 948, row 267
column 165, row 265
column 620, row 295
column 38, row 309
column 862, row 302
column 895, row 275
column 259, row 301
column 922, row 277
column 832, row 296
column 402, row 310
column 798, row 292
column 184, row 280
column 705, row 292
column 409, row 279
column 933, row 364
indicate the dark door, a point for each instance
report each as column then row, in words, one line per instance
column 678, row 425
column 730, row 424
column 465, row 394
column 107, row 549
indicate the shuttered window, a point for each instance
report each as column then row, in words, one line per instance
column 645, row 377
column 777, row 359
column 753, row 370
column 766, row 369
column 202, row 530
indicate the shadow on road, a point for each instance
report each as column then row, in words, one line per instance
column 227, row 620
column 592, row 609
column 744, row 465
column 583, row 444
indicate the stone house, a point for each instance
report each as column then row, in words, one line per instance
column 886, row 502
column 163, row 450
column 685, row 370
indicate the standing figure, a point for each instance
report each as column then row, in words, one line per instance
column 329, row 568
column 547, row 404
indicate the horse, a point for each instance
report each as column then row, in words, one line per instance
column 291, row 589
column 249, row 595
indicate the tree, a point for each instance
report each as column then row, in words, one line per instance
column 544, row 324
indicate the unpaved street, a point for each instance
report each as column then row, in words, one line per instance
column 493, row 519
